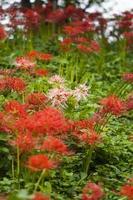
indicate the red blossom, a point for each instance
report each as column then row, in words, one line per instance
column 24, row 142
column 16, row 84
column 129, row 103
column 39, row 162
column 112, row 104
column 3, row 34
column 40, row 72
column 45, row 56
column 84, row 48
column 36, row 98
column 90, row 138
column 48, row 122
column 128, row 77
column 15, row 108
column 73, row 31
column 57, row 16
column 127, row 190
column 53, row 144
column 40, row 196
column 32, row 18
column 92, row 191
column 66, row 43
column 39, row 55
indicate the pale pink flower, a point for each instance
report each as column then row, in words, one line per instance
column 81, row 92
column 59, row 96
column 24, row 63
column 56, row 79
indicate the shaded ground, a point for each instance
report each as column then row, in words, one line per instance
column 3, row 197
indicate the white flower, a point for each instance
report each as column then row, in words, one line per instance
column 56, row 79
column 59, row 96
column 81, row 92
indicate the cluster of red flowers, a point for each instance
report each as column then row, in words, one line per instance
column 128, row 77
column 39, row 55
column 39, row 130
column 92, row 191
column 129, row 103
column 33, row 17
column 113, row 105
column 36, row 99
column 53, row 144
column 126, row 23
column 127, row 190
column 39, row 162
column 12, row 83
column 3, row 33
column 40, row 196
column 83, row 44
column 28, row 63
column 84, row 131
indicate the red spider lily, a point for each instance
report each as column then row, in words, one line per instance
column 32, row 18
column 125, row 22
column 84, row 131
column 48, row 121
column 7, row 123
column 32, row 54
column 56, row 145
column 3, row 34
column 24, row 142
column 94, row 16
column 45, row 56
column 39, row 162
column 112, row 104
column 70, row 10
column 40, row 196
column 84, row 48
column 36, row 98
column 94, row 46
column 129, row 37
column 57, row 16
column 129, row 103
column 15, row 108
column 39, row 55
column 90, row 138
column 127, row 191
column 128, row 77
column 51, row 121
column 40, row 72
column 73, row 31
column 88, row 47
column 66, row 43
column 92, row 191
column 81, row 40
column 16, row 84
column 85, row 26
column 24, row 63
column 76, row 126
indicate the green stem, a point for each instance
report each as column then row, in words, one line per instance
column 88, row 161
column 18, row 166
column 40, row 178
column 13, row 171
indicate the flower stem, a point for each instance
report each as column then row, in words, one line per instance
column 87, row 160
column 40, row 178
column 18, row 166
